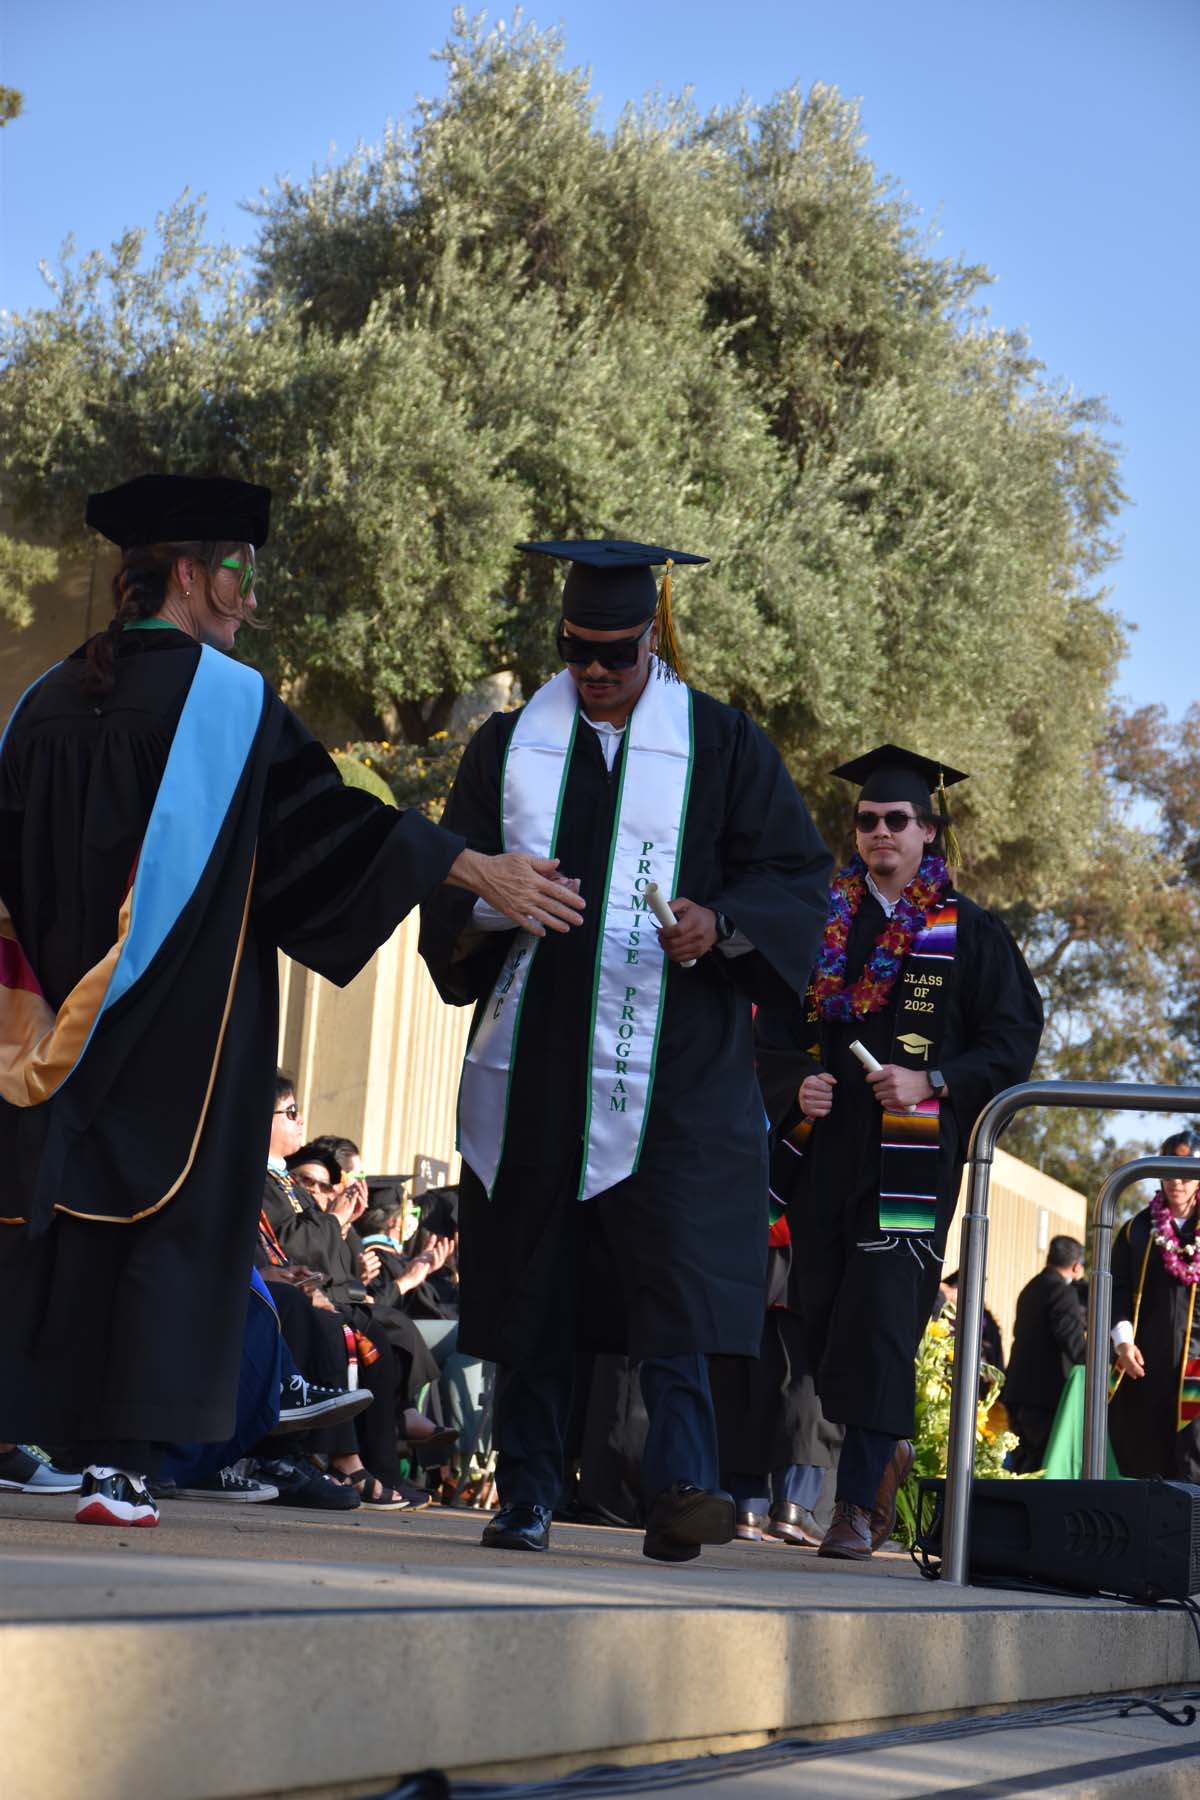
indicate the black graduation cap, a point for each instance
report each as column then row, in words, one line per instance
column 890, row 773
column 610, row 583
column 173, row 509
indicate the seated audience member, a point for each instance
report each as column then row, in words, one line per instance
column 294, row 1228
column 423, row 1282
column 274, row 1400
column 349, row 1202
column 1049, row 1335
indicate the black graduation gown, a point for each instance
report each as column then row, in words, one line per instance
column 672, row 1260
column 1143, row 1415
column 133, row 1330
column 865, row 1310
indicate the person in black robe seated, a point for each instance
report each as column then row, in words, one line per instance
column 1154, row 1411
column 621, row 1074
column 166, row 827
column 1049, row 1336
column 933, row 990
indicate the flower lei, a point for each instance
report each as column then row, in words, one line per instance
column 1179, row 1260
column 870, row 992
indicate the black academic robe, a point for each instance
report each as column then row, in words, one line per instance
column 1143, row 1415
column 114, row 1326
column 864, row 1310
column 672, row 1260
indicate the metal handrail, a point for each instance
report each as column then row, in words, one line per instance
column 1095, row 1404
column 1106, row 1096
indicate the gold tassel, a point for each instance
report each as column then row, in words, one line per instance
column 668, row 643
column 950, row 843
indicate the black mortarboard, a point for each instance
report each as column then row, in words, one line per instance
column 890, row 773
column 175, row 509
column 610, row 583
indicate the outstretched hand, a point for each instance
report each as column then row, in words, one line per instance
column 526, row 889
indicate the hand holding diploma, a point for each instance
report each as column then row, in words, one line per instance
column 688, row 931
column 896, row 1088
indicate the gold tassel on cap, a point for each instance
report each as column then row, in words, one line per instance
column 668, row 643
column 950, row 843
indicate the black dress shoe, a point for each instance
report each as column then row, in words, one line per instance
column 750, row 1526
column 518, row 1528
column 684, row 1517
column 794, row 1525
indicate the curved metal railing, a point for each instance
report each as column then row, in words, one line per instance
column 1104, row 1096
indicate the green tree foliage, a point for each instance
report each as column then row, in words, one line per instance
column 728, row 332
column 12, row 105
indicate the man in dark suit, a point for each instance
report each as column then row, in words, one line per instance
column 1048, row 1340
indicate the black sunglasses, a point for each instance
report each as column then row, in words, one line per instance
column 622, row 654
column 895, row 821
column 287, row 1112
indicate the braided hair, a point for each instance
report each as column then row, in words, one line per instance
column 139, row 590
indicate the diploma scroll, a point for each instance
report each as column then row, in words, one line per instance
column 871, row 1064
column 664, row 915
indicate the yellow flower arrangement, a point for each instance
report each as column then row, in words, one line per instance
column 935, row 1372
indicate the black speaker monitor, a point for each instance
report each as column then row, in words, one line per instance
column 1138, row 1538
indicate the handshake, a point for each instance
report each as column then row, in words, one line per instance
column 527, row 889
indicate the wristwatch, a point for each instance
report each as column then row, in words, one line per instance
column 937, row 1082
column 725, row 928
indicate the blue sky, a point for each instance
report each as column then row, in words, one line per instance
column 1056, row 142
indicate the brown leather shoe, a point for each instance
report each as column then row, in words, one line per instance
column 750, row 1527
column 883, row 1513
column 849, row 1536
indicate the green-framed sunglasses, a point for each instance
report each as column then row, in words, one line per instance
column 248, row 572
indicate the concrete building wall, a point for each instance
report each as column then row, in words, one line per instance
column 1026, row 1209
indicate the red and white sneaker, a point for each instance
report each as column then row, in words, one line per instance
column 112, row 1497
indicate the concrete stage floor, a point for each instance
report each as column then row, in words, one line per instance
column 255, row 1650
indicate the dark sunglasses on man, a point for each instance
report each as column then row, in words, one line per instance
column 621, row 653
column 867, row 822
column 291, row 1111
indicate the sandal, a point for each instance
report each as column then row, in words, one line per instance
column 372, row 1491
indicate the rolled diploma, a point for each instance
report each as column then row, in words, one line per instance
column 664, row 915
column 870, row 1063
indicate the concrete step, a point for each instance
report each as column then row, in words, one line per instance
column 247, row 1651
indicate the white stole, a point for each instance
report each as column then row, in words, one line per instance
column 629, row 987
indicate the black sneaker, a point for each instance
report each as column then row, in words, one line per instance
column 226, row 1484
column 304, row 1403
column 299, row 1484
column 111, row 1497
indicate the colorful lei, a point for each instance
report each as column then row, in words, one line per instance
column 1179, row 1260
column 870, row 992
